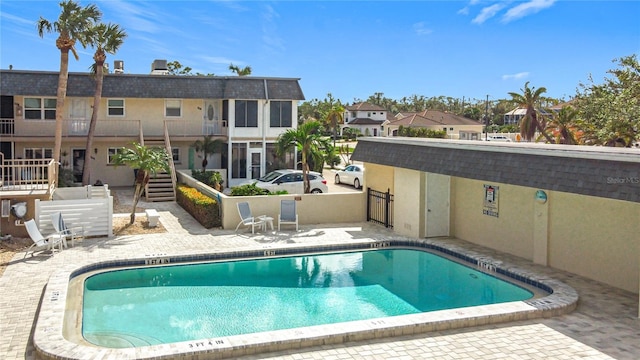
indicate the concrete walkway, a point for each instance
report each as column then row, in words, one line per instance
column 604, row 326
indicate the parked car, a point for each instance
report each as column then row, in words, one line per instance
column 352, row 174
column 291, row 181
column 502, row 138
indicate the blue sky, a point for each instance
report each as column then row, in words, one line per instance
column 354, row 49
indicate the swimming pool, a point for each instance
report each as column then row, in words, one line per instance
column 165, row 304
column 58, row 329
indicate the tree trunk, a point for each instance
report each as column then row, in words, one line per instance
column 142, row 178
column 63, row 78
column 86, row 170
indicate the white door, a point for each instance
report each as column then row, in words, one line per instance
column 210, row 119
column 255, row 158
column 437, row 212
column 79, row 119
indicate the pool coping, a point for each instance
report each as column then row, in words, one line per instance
column 50, row 342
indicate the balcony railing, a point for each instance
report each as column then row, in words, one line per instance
column 113, row 128
column 27, row 174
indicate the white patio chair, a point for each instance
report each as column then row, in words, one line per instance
column 41, row 243
column 247, row 218
column 72, row 233
column 288, row 213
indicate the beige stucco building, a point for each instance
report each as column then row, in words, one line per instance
column 572, row 208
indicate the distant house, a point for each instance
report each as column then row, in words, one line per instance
column 246, row 113
column 364, row 117
column 513, row 117
column 456, row 127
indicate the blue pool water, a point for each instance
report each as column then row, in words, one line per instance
column 155, row 305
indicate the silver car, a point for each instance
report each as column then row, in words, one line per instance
column 352, row 175
column 292, row 182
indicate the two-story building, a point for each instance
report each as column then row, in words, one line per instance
column 246, row 113
column 367, row 118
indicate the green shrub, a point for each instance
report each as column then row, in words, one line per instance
column 253, row 190
column 200, row 206
column 211, row 178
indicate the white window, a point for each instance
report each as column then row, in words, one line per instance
column 40, row 108
column 38, row 153
column 175, row 153
column 110, row 153
column 173, row 108
column 115, row 107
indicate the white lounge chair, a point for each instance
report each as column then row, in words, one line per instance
column 70, row 233
column 41, row 243
column 288, row 213
column 248, row 219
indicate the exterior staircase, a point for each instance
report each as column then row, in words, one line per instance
column 162, row 186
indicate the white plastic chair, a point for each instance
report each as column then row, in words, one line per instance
column 247, row 218
column 288, row 213
column 41, row 243
column 71, row 233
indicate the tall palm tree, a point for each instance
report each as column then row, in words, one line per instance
column 563, row 126
column 529, row 100
column 240, row 72
column 334, row 117
column 308, row 141
column 106, row 38
column 145, row 161
column 71, row 24
column 207, row 146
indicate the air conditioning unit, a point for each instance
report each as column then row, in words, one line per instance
column 118, row 66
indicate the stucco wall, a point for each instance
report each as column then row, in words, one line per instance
column 312, row 208
column 378, row 177
column 596, row 238
column 511, row 231
column 408, row 204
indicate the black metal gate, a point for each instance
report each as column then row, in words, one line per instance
column 380, row 207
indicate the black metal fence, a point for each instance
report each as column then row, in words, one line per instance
column 380, row 207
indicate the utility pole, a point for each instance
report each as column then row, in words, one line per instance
column 486, row 119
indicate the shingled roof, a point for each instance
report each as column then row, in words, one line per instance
column 364, row 106
column 430, row 118
column 612, row 173
column 41, row 83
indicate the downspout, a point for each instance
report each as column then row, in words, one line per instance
column 264, row 127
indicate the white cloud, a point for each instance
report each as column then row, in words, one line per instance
column 270, row 29
column 420, row 29
column 527, row 8
column 517, row 76
column 487, row 13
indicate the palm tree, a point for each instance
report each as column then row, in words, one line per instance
column 307, row 140
column 563, row 126
column 240, row 72
column 207, row 146
column 334, row 117
column 529, row 100
column 145, row 161
column 106, row 38
column 71, row 24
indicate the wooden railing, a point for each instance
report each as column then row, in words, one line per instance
column 27, row 174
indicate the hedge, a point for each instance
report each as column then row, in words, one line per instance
column 201, row 207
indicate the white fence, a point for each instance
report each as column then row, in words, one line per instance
column 94, row 215
column 85, row 192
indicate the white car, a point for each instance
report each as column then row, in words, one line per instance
column 502, row 138
column 352, row 174
column 291, row 182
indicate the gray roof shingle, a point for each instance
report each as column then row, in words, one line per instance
column 40, row 83
column 612, row 173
